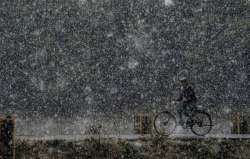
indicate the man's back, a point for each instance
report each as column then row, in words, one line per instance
column 187, row 94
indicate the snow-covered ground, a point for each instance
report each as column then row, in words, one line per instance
column 109, row 125
column 221, row 129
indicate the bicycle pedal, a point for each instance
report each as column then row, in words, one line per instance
column 185, row 126
column 188, row 124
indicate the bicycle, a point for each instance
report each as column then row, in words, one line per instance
column 199, row 121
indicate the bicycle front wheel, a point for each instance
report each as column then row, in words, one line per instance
column 201, row 123
column 164, row 123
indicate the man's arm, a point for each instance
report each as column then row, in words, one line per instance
column 191, row 94
column 180, row 97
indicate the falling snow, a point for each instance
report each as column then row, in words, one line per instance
column 132, row 63
column 74, row 66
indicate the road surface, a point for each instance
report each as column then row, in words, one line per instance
column 130, row 136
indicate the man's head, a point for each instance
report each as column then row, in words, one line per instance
column 8, row 117
column 184, row 81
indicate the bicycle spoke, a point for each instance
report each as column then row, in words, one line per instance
column 202, row 123
column 164, row 123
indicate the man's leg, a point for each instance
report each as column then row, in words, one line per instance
column 180, row 115
column 190, row 108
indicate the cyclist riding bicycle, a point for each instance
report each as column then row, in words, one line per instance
column 187, row 98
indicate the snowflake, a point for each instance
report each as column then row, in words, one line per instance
column 132, row 63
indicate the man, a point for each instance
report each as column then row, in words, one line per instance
column 187, row 98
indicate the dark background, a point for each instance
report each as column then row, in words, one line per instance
column 66, row 57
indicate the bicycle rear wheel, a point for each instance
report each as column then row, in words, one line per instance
column 201, row 123
column 164, row 123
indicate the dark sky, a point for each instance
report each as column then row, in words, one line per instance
column 65, row 57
